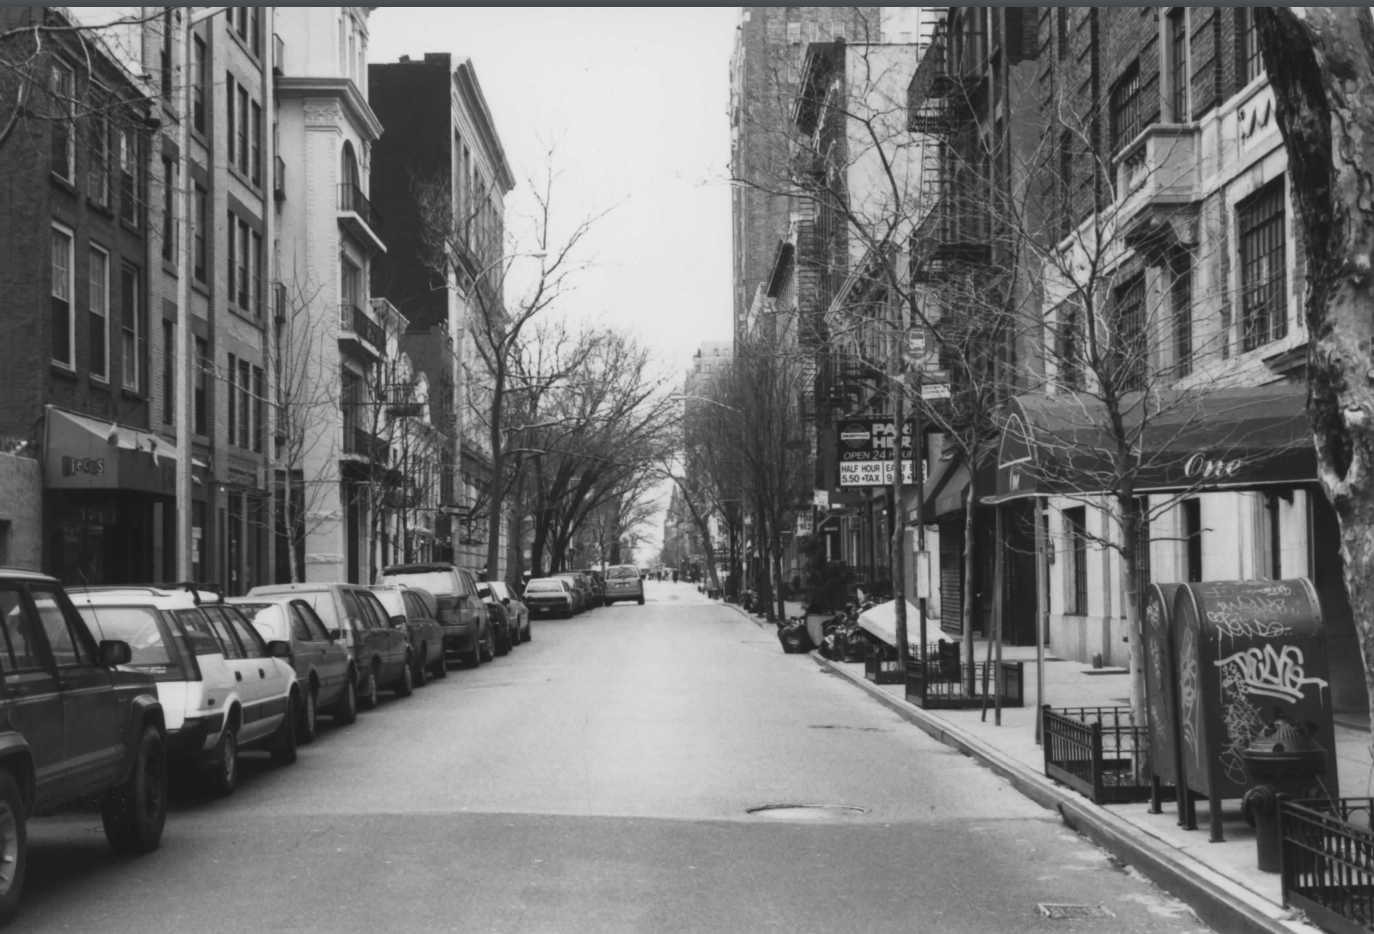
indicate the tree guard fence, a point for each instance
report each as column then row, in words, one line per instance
column 1097, row 751
column 1328, row 861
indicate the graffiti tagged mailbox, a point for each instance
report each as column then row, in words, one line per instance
column 1243, row 650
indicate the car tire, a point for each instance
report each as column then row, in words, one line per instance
column 405, row 684
column 501, row 644
column 284, row 743
column 641, row 599
column 309, row 726
column 368, row 699
column 473, row 658
column 529, row 631
column 14, row 845
column 488, row 650
column 441, row 667
column 346, row 711
column 223, row 776
column 134, row 812
column 420, row 674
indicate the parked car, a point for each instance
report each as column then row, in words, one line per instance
column 581, row 586
column 75, row 721
column 467, row 628
column 381, row 653
column 623, row 582
column 597, row 582
column 417, row 611
column 500, row 619
column 323, row 667
column 550, row 596
column 515, row 607
column 223, row 688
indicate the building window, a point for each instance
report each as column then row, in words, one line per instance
column 1251, row 64
column 1271, row 537
column 134, row 329
column 229, row 124
column 63, row 92
column 1177, row 25
column 243, row 266
column 255, row 31
column 1130, row 348
column 244, row 115
column 1181, row 298
column 169, row 382
column 202, row 385
column 259, row 284
column 99, row 172
column 245, row 405
column 202, row 78
column 169, row 223
column 1263, row 266
column 63, row 325
column 1068, row 349
column 165, row 55
column 1192, row 535
column 129, row 163
column 232, row 392
column 100, row 314
column 255, row 131
column 1076, row 535
column 1126, row 107
column 259, row 409
column 198, row 235
column 231, row 254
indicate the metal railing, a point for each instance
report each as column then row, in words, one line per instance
column 351, row 198
column 353, row 320
column 1328, row 861
column 943, row 683
column 1097, row 751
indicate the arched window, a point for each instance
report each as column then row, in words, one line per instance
column 348, row 173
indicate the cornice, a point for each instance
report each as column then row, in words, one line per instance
column 359, row 112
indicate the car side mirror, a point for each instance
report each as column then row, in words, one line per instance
column 398, row 621
column 114, row 652
column 505, row 601
column 335, row 635
column 279, row 648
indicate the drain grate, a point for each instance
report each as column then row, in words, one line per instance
column 1068, row 912
column 806, row 811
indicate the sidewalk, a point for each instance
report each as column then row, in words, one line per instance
column 1219, row 881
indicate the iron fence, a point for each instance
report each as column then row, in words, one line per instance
column 1328, row 861
column 942, row 682
column 1097, row 751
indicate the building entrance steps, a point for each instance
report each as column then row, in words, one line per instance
column 1220, row 881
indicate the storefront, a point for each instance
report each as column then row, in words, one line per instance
column 1226, row 481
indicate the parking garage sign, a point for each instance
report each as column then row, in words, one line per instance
column 867, row 448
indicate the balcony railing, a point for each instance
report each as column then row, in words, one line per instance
column 351, row 198
column 354, row 323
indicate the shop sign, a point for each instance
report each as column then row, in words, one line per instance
column 867, row 451
column 71, row 466
column 804, row 523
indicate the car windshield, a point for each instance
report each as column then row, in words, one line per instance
column 544, row 586
column 393, row 601
column 500, row 590
column 622, row 571
column 268, row 618
column 439, row 583
column 136, row 625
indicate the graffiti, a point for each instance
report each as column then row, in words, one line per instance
column 1235, row 626
column 1272, row 673
column 1241, row 718
column 1152, row 614
column 1188, row 698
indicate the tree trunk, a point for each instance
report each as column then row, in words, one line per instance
column 1130, row 562
column 969, row 555
column 896, row 547
column 1320, row 62
column 498, row 469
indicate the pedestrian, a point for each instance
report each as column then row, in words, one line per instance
column 675, row 577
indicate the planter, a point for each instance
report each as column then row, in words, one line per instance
column 1098, row 752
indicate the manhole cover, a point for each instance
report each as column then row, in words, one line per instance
column 1065, row 912
column 806, row 811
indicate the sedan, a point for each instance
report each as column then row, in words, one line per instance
column 320, row 662
column 416, row 611
column 519, row 613
column 550, row 596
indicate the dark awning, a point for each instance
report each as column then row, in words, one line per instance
column 1180, row 441
column 85, row 453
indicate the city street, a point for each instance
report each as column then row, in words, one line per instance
column 599, row 779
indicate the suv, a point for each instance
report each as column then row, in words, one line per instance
column 624, row 583
column 417, row 612
column 72, row 723
column 381, row 653
column 222, row 687
column 468, row 634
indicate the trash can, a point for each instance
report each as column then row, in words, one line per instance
column 1244, row 649
column 1283, row 761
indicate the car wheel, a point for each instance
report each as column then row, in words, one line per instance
column 502, row 643
column 134, row 812
column 284, row 743
column 309, row 726
column 488, row 650
column 421, row 672
column 14, row 846
column 472, row 658
column 641, row 599
column 405, row 685
column 224, row 765
column 529, row 631
column 368, row 699
column 346, row 711
column 441, row 668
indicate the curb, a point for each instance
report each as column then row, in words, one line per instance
column 1218, row 902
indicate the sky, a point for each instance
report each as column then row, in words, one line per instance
column 635, row 104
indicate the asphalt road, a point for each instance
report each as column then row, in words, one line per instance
column 598, row 779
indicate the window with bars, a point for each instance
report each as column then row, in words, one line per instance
column 1130, row 349
column 1126, row 109
column 1261, row 220
column 1181, row 300
column 1076, row 542
column 1178, row 63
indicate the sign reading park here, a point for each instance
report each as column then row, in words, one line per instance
column 867, row 451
